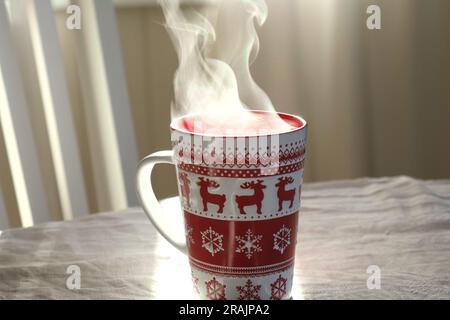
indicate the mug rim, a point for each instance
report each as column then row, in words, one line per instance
column 174, row 125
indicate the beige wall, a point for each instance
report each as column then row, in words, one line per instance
column 150, row 64
column 378, row 102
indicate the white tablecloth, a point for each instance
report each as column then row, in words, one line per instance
column 399, row 224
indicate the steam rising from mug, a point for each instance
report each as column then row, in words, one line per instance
column 214, row 64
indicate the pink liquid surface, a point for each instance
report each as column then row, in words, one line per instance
column 241, row 123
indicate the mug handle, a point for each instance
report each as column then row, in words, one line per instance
column 151, row 205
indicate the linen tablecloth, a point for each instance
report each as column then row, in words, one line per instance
column 400, row 225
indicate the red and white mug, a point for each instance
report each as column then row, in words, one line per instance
column 240, row 196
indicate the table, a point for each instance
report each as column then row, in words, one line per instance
column 401, row 225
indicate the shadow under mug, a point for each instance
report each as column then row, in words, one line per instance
column 240, row 200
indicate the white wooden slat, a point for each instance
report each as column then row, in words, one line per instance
column 3, row 214
column 57, row 109
column 23, row 47
column 18, row 135
column 113, row 145
column 9, row 211
column 4, row 221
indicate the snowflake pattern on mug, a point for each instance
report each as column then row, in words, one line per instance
column 282, row 239
column 249, row 244
column 278, row 288
column 212, row 241
column 215, row 290
column 249, row 291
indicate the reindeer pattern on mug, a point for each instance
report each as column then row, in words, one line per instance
column 185, row 189
column 209, row 197
column 242, row 198
column 251, row 200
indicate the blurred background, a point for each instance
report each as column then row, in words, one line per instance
column 377, row 101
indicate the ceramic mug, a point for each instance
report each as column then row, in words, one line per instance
column 240, row 210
